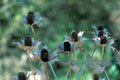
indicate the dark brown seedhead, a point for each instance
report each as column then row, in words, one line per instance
column 100, row 34
column 103, row 40
column 28, row 41
column 100, row 28
column 67, row 46
column 44, row 55
column 74, row 36
column 21, row 76
column 95, row 77
column 30, row 18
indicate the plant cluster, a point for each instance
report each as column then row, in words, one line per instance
column 72, row 42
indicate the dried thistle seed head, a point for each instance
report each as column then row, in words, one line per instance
column 30, row 18
column 44, row 55
column 95, row 77
column 28, row 41
column 100, row 34
column 74, row 36
column 21, row 76
column 103, row 40
column 67, row 46
column 100, row 28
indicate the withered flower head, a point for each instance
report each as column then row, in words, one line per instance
column 100, row 34
column 30, row 18
column 74, row 36
column 67, row 46
column 95, row 77
column 44, row 55
column 21, row 76
column 28, row 41
column 100, row 28
column 103, row 40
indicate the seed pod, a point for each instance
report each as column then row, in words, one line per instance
column 44, row 55
column 28, row 41
column 100, row 28
column 74, row 36
column 30, row 18
column 67, row 46
column 103, row 40
column 95, row 77
column 21, row 76
column 100, row 34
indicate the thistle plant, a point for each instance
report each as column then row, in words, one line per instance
column 78, row 40
column 47, row 57
column 72, row 43
column 32, row 19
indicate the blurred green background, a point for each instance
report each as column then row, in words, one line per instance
column 63, row 16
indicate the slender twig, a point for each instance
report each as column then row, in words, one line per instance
column 103, row 55
column 45, row 65
column 106, row 75
column 28, row 52
column 34, row 34
column 92, row 53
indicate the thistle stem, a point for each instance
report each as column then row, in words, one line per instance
column 53, row 71
column 34, row 34
column 45, row 65
column 30, row 60
column 69, row 66
column 74, row 54
column 67, row 74
column 106, row 75
column 69, row 71
column 83, row 67
column 103, row 55
column 92, row 53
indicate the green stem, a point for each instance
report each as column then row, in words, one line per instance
column 45, row 65
column 106, row 75
column 103, row 55
column 92, row 53
column 34, row 34
column 73, row 54
column 28, row 52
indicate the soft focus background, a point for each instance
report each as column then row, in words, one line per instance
column 63, row 16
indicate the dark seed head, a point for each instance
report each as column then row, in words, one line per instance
column 28, row 41
column 30, row 18
column 100, row 28
column 95, row 77
column 74, row 36
column 21, row 76
column 67, row 46
column 100, row 34
column 44, row 55
column 103, row 40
